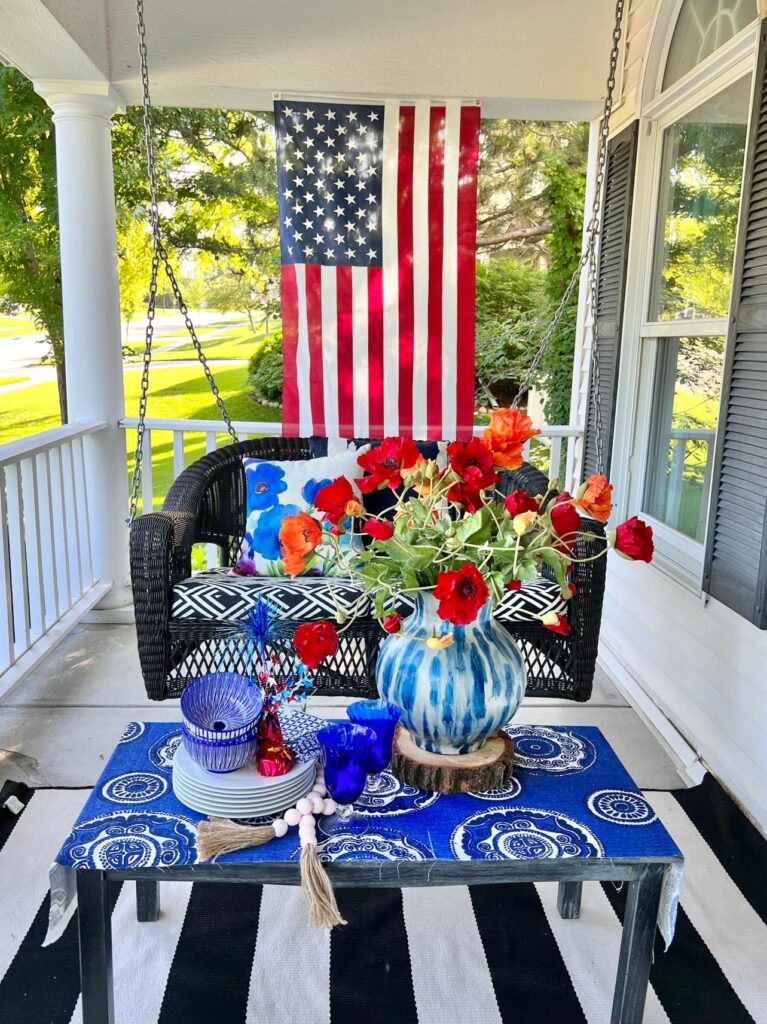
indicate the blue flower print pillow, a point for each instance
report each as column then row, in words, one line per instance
column 275, row 490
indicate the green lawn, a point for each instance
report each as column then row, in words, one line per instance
column 175, row 393
column 12, row 325
column 225, row 340
column 4, row 381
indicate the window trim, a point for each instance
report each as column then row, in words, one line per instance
column 678, row 556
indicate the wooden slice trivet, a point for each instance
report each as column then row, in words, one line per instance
column 490, row 767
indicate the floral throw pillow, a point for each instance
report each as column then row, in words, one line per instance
column 279, row 489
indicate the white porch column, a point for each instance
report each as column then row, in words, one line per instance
column 92, row 337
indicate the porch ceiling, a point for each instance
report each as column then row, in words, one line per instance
column 523, row 58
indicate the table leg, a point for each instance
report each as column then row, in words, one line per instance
column 147, row 899
column 569, row 900
column 95, row 931
column 639, row 923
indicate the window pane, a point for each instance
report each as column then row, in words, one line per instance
column 685, row 407
column 701, row 174
column 701, row 28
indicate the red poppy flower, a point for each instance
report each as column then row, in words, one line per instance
column 633, row 539
column 472, row 461
column 565, row 521
column 315, row 641
column 556, row 622
column 379, row 529
column 333, row 498
column 466, row 494
column 514, row 585
column 506, row 436
column 386, row 462
column 299, row 536
column 520, row 501
column 391, row 623
column 460, row 593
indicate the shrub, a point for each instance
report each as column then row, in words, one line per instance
column 265, row 370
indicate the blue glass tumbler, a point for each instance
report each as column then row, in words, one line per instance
column 382, row 718
column 345, row 751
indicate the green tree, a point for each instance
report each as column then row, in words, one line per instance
column 30, row 274
column 134, row 253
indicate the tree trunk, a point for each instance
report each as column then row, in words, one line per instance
column 251, row 321
column 61, row 380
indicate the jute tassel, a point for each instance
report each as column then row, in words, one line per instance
column 323, row 909
column 218, row 836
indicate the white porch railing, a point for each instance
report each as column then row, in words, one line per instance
column 45, row 549
column 170, row 445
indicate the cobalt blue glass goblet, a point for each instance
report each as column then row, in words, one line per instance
column 345, row 752
column 382, row 718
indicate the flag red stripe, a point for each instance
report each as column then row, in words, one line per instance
column 436, row 248
column 405, row 260
column 467, row 231
column 290, row 417
column 314, row 322
column 345, row 352
column 375, row 351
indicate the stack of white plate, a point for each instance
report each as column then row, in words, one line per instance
column 240, row 794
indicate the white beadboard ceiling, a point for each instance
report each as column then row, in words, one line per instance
column 527, row 58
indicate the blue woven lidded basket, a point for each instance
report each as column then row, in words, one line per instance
column 220, row 715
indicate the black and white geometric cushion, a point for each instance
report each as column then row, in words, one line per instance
column 220, row 594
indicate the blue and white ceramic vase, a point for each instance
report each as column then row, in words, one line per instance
column 451, row 699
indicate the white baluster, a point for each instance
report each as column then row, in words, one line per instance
column 31, row 495
column 59, row 521
column 85, row 516
column 74, row 532
column 178, row 452
column 49, row 546
column 555, row 457
column 17, row 545
column 7, row 655
column 147, row 484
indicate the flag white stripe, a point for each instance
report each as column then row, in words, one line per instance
column 718, row 910
column 361, row 394
column 450, row 268
column 143, row 953
column 447, row 958
column 305, row 426
column 589, row 948
column 285, row 937
column 420, row 264
column 390, row 268
column 24, row 861
column 328, row 296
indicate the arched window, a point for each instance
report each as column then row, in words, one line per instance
column 702, row 27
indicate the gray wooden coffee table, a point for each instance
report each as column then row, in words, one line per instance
column 571, row 814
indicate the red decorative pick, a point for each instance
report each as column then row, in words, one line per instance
column 273, row 756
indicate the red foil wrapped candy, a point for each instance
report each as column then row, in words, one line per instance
column 273, row 755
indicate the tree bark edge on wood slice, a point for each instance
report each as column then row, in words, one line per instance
column 490, row 767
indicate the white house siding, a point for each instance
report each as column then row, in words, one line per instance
column 703, row 665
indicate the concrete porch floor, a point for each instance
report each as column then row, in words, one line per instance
column 61, row 722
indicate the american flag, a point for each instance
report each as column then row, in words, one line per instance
column 377, row 229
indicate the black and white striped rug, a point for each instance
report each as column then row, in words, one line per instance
column 478, row 955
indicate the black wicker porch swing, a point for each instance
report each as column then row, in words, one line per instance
column 207, row 504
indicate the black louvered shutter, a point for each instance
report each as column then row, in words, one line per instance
column 611, row 288
column 735, row 570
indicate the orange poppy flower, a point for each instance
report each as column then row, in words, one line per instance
column 596, row 499
column 505, row 437
column 299, row 536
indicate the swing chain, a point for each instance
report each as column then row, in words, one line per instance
column 589, row 255
column 159, row 256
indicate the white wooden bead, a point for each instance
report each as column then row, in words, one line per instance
column 307, row 825
column 304, row 806
column 319, row 789
column 308, row 840
column 317, row 804
column 280, row 827
column 329, row 806
column 293, row 816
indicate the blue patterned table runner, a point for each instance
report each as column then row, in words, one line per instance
column 570, row 797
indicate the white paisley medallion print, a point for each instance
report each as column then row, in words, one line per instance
column 385, row 794
column 132, row 732
column 522, row 833
column 621, row 807
column 161, row 752
column 538, row 748
column 134, row 788
column 132, row 839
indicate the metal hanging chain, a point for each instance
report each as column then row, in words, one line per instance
column 159, row 256
column 589, row 254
